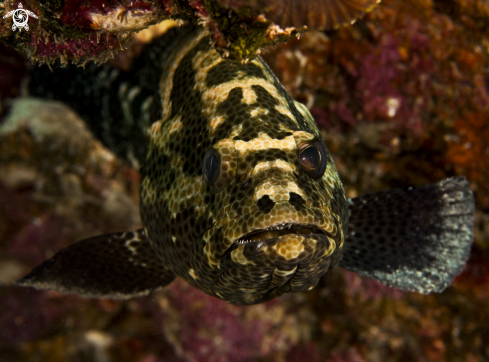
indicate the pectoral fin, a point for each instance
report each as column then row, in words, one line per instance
column 415, row 239
column 121, row 265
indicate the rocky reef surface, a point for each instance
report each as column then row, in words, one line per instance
column 83, row 30
column 401, row 98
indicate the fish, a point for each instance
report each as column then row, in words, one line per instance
column 239, row 194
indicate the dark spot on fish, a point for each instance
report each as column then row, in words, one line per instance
column 265, row 204
column 297, row 201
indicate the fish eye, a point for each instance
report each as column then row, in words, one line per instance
column 211, row 165
column 219, row 165
column 312, row 158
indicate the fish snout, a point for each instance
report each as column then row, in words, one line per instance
column 279, row 191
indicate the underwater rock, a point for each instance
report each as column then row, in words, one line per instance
column 315, row 14
column 35, row 136
column 202, row 328
column 80, row 31
column 442, row 59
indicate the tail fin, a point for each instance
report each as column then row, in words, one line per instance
column 416, row 239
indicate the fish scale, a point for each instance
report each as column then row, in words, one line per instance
column 240, row 196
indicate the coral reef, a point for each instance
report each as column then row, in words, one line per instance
column 391, row 84
column 401, row 98
column 80, row 31
column 315, row 14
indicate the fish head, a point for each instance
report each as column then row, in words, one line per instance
column 239, row 194
column 280, row 212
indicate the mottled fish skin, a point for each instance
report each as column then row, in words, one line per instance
column 242, row 112
column 229, row 201
column 416, row 239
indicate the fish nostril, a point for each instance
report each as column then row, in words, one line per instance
column 265, row 204
column 296, row 200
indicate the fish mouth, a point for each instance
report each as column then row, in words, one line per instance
column 287, row 257
column 277, row 231
column 272, row 233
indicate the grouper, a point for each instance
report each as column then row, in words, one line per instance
column 239, row 195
